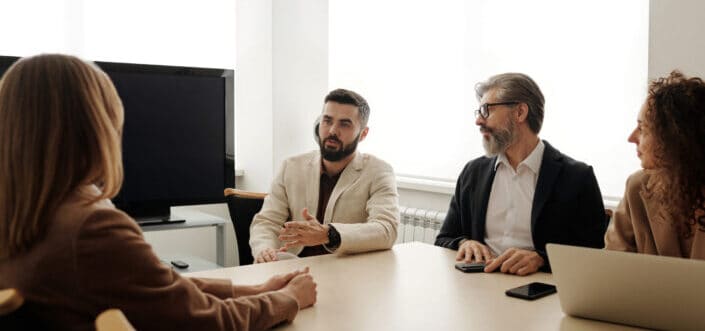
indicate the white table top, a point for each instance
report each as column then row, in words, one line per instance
column 414, row 286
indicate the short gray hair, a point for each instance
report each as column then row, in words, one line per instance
column 516, row 87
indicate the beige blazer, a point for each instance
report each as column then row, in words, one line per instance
column 94, row 257
column 363, row 206
column 636, row 228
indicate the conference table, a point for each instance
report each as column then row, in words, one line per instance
column 413, row 286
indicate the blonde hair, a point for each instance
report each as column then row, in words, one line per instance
column 60, row 126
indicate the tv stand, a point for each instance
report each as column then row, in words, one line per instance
column 189, row 218
column 149, row 221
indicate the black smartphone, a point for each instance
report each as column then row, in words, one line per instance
column 471, row 267
column 531, row 291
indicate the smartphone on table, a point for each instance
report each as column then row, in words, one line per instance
column 531, row 291
column 471, row 267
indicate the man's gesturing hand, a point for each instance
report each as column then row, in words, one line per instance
column 303, row 233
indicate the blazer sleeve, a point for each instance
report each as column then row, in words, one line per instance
column 265, row 227
column 116, row 268
column 620, row 233
column 588, row 222
column 451, row 232
column 593, row 218
column 380, row 229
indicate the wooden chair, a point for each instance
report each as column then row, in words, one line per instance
column 15, row 314
column 10, row 301
column 12, row 316
column 112, row 320
column 608, row 216
column 11, row 312
column 243, row 205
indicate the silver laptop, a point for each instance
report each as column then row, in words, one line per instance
column 628, row 288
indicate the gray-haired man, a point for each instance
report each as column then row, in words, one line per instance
column 524, row 193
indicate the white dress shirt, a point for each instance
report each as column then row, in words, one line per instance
column 508, row 221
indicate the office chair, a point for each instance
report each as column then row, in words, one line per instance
column 243, row 206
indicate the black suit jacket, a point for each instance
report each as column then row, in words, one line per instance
column 567, row 206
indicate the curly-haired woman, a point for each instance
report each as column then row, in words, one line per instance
column 663, row 209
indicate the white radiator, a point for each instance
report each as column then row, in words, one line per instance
column 419, row 225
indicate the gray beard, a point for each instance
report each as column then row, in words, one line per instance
column 499, row 140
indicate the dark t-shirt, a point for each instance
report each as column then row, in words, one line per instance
column 327, row 184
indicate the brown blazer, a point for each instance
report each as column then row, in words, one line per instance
column 94, row 257
column 636, row 228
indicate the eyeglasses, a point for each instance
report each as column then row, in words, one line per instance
column 484, row 109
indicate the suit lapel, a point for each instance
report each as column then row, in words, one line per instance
column 550, row 168
column 313, row 186
column 483, row 199
column 349, row 175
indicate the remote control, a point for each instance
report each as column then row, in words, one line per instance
column 179, row 264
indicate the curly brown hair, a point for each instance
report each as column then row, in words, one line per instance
column 675, row 116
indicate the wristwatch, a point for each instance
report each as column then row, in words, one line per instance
column 333, row 238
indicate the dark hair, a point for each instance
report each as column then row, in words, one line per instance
column 520, row 88
column 347, row 97
column 675, row 116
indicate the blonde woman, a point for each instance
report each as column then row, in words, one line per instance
column 62, row 243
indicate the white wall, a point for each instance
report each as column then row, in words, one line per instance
column 425, row 200
column 676, row 37
column 253, row 95
column 300, row 73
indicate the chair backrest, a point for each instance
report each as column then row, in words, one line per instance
column 10, row 301
column 112, row 320
column 13, row 315
column 13, row 312
column 243, row 205
column 608, row 215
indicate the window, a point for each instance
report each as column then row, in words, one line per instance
column 26, row 30
column 153, row 32
column 183, row 33
column 417, row 62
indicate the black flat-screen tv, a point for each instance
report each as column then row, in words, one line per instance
column 178, row 138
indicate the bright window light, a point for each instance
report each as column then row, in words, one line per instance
column 29, row 30
column 182, row 33
column 417, row 63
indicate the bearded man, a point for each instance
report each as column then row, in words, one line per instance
column 334, row 200
column 524, row 193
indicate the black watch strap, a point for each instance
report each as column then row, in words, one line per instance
column 333, row 238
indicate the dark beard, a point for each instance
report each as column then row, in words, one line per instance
column 337, row 155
